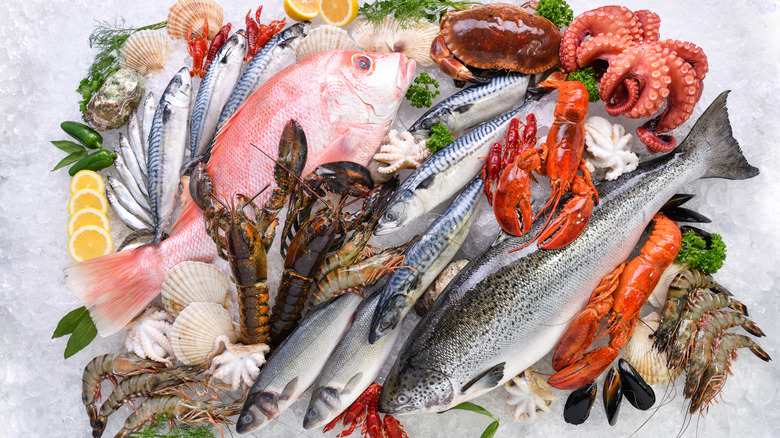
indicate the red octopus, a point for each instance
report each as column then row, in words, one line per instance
column 642, row 70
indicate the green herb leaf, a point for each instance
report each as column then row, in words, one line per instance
column 69, row 322
column 695, row 252
column 410, row 11
column 440, row 138
column 468, row 406
column 557, row 11
column 68, row 146
column 419, row 95
column 70, row 159
column 588, row 78
column 82, row 335
column 491, row 430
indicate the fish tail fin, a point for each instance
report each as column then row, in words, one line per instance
column 116, row 287
column 188, row 213
column 714, row 127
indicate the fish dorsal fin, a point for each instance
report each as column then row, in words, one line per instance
column 352, row 384
column 289, row 390
column 487, row 380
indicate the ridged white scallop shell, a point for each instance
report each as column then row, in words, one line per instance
column 146, row 51
column 639, row 352
column 376, row 38
column 323, row 39
column 196, row 330
column 191, row 13
column 194, row 282
column 416, row 43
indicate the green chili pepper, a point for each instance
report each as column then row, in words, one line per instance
column 94, row 161
column 84, row 134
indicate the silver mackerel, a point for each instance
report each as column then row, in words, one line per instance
column 505, row 311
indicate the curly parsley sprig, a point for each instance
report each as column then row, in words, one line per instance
column 418, row 94
column 695, row 252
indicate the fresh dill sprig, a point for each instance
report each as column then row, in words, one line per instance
column 153, row 430
column 410, row 11
column 108, row 38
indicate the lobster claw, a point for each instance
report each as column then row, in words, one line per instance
column 577, row 339
column 512, row 201
column 585, row 370
column 569, row 224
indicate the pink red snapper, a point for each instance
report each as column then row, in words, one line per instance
column 345, row 102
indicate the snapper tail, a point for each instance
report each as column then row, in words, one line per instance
column 116, row 287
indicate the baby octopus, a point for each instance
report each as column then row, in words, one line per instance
column 642, row 70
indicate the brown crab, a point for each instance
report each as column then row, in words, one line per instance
column 495, row 36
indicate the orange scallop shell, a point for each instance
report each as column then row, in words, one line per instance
column 191, row 13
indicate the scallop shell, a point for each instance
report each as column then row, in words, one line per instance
column 322, row 39
column 416, row 43
column 146, row 51
column 193, row 282
column 375, row 38
column 191, row 13
column 639, row 352
column 196, row 330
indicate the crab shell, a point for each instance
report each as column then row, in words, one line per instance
column 502, row 36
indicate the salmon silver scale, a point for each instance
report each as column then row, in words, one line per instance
column 505, row 311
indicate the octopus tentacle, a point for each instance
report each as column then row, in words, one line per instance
column 616, row 20
column 605, row 47
column 655, row 142
column 625, row 96
column 683, row 94
column 691, row 53
column 650, row 24
column 648, row 69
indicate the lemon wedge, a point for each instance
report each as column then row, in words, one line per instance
column 86, row 179
column 88, row 242
column 86, row 198
column 301, row 10
column 338, row 12
column 87, row 216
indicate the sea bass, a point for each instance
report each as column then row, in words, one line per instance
column 345, row 102
column 505, row 311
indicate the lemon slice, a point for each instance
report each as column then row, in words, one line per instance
column 89, row 242
column 338, row 12
column 86, row 179
column 301, row 10
column 86, row 198
column 87, row 216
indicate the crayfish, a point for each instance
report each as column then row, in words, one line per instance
column 559, row 158
column 201, row 51
column 257, row 34
column 364, row 412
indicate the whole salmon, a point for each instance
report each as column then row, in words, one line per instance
column 345, row 102
column 505, row 311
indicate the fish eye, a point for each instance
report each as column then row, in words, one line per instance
column 246, row 419
column 312, row 413
column 426, row 124
column 362, row 62
column 389, row 216
column 401, row 398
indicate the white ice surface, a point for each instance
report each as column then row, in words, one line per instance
column 44, row 55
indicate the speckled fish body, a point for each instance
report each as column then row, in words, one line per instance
column 445, row 173
column 167, row 142
column 297, row 362
column 425, row 259
column 344, row 106
column 505, row 311
column 215, row 89
column 350, row 369
column 268, row 61
column 474, row 105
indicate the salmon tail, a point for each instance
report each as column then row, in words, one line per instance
column 714, row 128
column 116, row 287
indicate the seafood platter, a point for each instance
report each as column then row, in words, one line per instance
column 396, row 219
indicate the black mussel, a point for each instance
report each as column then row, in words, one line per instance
column 681, row 214
column 613, row 394
column 636, row 390
column 578, row 404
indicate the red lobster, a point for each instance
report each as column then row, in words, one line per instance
column 364, row 412
column 257, row 35
column 560, row 159
column 619, row 297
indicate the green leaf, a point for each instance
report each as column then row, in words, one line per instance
column 69, row 322
column 468, row 406
column 68, row 146
column 82, row 335
column 491, row 430
column 70, row 159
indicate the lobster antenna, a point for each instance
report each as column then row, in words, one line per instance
column 298, row 178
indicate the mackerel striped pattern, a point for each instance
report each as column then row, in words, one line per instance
column 474, row 105
column 266, row 59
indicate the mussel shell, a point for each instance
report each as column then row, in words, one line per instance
column 681, row 214
column 613, row 394
column 636, row 390
column 577, row 408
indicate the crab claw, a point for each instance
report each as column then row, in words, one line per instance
column 585, row 370
column 441, row 55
